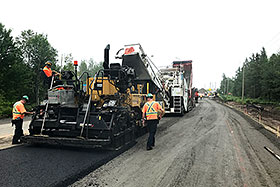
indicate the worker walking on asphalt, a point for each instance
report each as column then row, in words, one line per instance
column 48, row 74
column 18, row 115
column 151, row 113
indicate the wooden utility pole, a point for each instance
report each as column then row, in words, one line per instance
column 243, row 82
column 61, row 63
column 227, row 85
column 225, row 82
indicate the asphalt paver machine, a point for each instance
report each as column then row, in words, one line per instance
column 107, row 114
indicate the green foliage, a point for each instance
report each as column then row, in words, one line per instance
column 83, row 67
column 278, row 108
column 261, row 79
column 35, row 51
column 228, row 98
column 89, row 66
column 226, row 85
column 12, row 69
column 68, row 67
column 5, row 106
column 69, row 63
column 94, row 67
column 21, row 62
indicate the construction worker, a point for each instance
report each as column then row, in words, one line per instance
column 48, row 74
column 151, row 113
column 18, row 115
column 196, row 97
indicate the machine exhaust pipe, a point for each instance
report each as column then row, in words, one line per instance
column 106, row 57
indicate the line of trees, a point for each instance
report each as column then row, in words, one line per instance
column 21, row 61
column 261, row 78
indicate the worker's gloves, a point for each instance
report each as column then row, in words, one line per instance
column 143, row 122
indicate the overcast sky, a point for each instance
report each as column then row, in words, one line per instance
column 216, row 34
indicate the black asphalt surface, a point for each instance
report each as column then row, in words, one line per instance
column 27, row 165
column 48, row 165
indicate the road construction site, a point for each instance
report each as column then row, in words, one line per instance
column 212, row 145
column 96, row 135
column 106, row 112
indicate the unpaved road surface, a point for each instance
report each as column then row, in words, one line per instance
column 210, row 146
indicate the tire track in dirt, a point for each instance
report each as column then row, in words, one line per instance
column 250, row 152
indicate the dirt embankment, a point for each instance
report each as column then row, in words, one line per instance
column 265, row 114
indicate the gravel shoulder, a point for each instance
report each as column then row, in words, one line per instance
column 269, row 116
column 210, row 146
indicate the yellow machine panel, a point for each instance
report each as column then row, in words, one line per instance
column 102, row 87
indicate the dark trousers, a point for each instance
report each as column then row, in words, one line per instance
column 47, row 82
column 152, row 129
column 18, row 130
column 47, row 85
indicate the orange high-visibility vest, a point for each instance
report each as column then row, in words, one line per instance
column 151, row 109
column 60, row 88
column 18, row 110
column 48, row 71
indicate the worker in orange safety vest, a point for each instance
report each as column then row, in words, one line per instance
column 196, row 96
column 152, row 112
column 48, row 74
column 18, row 115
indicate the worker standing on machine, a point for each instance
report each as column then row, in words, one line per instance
column 48, row 74
column 151, row 113
column 18, row 115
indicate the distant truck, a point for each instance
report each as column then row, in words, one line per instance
column 177, row 83
column 171, row 86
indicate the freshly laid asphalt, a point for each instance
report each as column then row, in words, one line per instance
column 27, row 165
column 48, row 166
